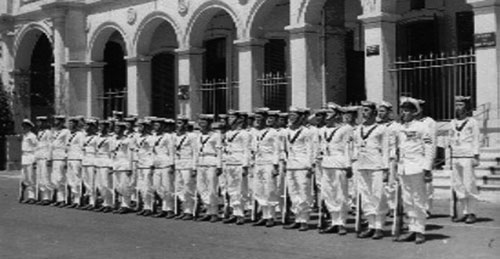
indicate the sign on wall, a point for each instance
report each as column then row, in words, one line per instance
column 485, row 40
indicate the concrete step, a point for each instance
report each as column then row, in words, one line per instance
column 488, row 193
column 489, row 161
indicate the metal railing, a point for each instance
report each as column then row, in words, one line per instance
column 275, row 91
column 218, row 96
column 113, row 100
column 437, row 79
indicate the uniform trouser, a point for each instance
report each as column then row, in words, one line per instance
column 352, row 185
column 163, row 184
column 185, row 185
column 124, row 185
column 374, row 201
column 58, row 179
column 206, row 184
column 235, row 188
column 88, row 178
column 29, row 180
column 43, row 179
column 74, row 176
column 248, row 182
column 299, row 189
column 335, row 194
column 464, row 184
column 266, row 189
column 145, row 186
column 281, row 184
column 414, row 201
column 429, row 189
column 390, row 186
column 104, row 183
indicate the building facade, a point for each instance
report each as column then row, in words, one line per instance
column 166, row 57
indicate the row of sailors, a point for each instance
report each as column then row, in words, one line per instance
column 144, row 158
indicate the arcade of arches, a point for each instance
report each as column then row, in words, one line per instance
column 156, row 58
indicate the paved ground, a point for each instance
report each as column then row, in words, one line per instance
column 29, row 231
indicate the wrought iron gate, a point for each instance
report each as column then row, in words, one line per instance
column 274, row 91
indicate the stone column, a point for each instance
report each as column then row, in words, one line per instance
column 76, row 88
column 250, row 66
column 139, row 86
column 95, row 81
column 60, row 86
column 190, row 69
column 380, row 34
column 335, row 65
column 305, row 55
column 487, row 20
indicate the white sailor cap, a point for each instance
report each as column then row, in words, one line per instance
column 216, row 125
column 369, row 104
column 283, row 114
column 60, row 117
column 296, row 110
column 121, row 124
column 350, row 109
column 251, row 115
column 275, row 113
column 222, row 116
column 385, row 104
column 91, row 121
column 41, row 118
column 206, row 117
column 262, row 110
column 410, row 102
column 463, row 99
column 182, row 117
column 28, row 122
column 169, row 121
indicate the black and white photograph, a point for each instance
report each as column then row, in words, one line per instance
column 252, row 129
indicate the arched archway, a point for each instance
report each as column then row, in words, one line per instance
column 215, row 29
column 157, row 40
column 109, row 48
column 34, row 75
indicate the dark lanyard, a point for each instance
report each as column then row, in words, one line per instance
column 297, row 134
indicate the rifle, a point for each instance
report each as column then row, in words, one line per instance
column 358, row 212
column 37, row 185
column 398, row 212
column 82, row 190
column 255, row 208
column 285, row 212
column 176, row 202
column 196, row 208
column 22, row 188
column 454, row 199
column 227, row 204
column 321, row 214
column 68, row 190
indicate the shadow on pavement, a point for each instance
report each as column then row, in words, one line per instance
column 430, row 227
column 431, row 237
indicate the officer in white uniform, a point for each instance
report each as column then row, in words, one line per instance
column 268, row 147
column 372, row 149
column 464, row 143
column 59, row 144
column 145, row 143
column 43, row 159
column 337, row 168
column 209, row 165
column 432, row 126
column 186, row 154
column 300, row 159
column 89, row 162
column 237, row 156
column 104, row 166
column 28, row 174
column 164, row 170
column 122, row 168
column 416, row 156
column 384, row 119
column 76, row 144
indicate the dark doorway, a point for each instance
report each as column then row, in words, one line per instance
column 216, row 86
column 418, row 38
column 42, row 78
column 163, row 85
column 115, row 78
column 355, row 71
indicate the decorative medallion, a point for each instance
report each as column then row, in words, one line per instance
column 131, row 16
column 183, row 7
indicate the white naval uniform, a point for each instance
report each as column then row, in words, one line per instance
column 299, row 143
column 429, row 188
column 42, row 155
column 123, row 182
column 371, row 144
column 186, row 154
column 209, row 160
column 75, row 155
column 164, row 174
column 236, row 157
column 267, row 148
column 282, row 132
column 335, row 145
column 104, row 165
column 248, row 181
column 59, row 147
column 28, row 147
column 89, row 167
column 416, row 155
column 390, row 187
column 464, row 142
column 145, row 163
